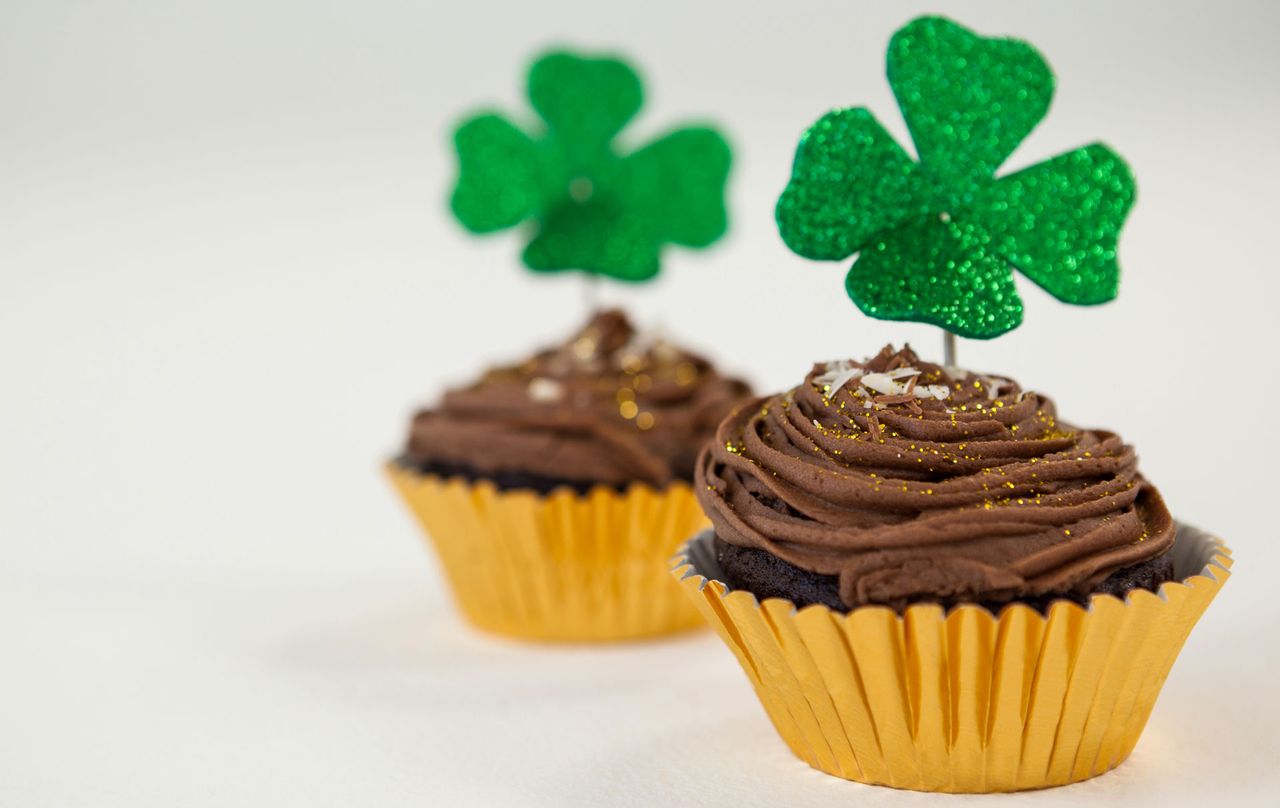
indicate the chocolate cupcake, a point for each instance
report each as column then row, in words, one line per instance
column 930, row 581
column 555, row 489
column 896, row 481
column 933, row 583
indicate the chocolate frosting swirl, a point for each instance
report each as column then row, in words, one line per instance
column 913, row 482
column 610, row 405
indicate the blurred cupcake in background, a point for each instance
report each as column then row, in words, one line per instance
column 555, row 490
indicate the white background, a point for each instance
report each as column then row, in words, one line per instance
column 227, row 276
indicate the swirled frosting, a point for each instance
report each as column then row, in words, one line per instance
column 611, row 405
column 914, row 482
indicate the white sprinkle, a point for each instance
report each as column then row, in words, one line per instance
column 842, row 372
column 837, row 375
column 938, row 391
column 545, row 390
column 992, row 387
column 881, row 383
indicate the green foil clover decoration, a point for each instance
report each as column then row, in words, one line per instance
column 938, row 239
column 594, row 209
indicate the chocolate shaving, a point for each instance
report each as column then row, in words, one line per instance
column 898, row 398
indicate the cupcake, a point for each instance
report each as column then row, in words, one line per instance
column 555, row 490
column 931, row 581
column 934, row 583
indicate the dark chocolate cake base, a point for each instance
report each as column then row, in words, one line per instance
column 767, row 576
column 510, row 480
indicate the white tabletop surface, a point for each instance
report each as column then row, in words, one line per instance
column 227, row 277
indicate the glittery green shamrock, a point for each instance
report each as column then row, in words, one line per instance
column 595, row 209
column 937, row 239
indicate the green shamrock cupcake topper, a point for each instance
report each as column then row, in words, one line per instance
column 938, row 239
column 594, row 208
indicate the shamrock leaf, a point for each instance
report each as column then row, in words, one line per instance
column 595, row 233
column 585, row 103
column 908, row 277
column 500, row 168
column 939, row 238
column 851, row 182
column 593, row 207
column 678, row 180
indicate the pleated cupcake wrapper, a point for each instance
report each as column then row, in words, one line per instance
column 561, row 566
column 961, row 701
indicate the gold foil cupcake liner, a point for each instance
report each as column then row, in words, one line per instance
column 961, row 701
column 561, row 566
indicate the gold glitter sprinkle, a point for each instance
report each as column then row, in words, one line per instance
column 645, row 420
column 626, row 394
column 686, row 372
column 584, row 347
column 642, row 383
column 628, row 409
